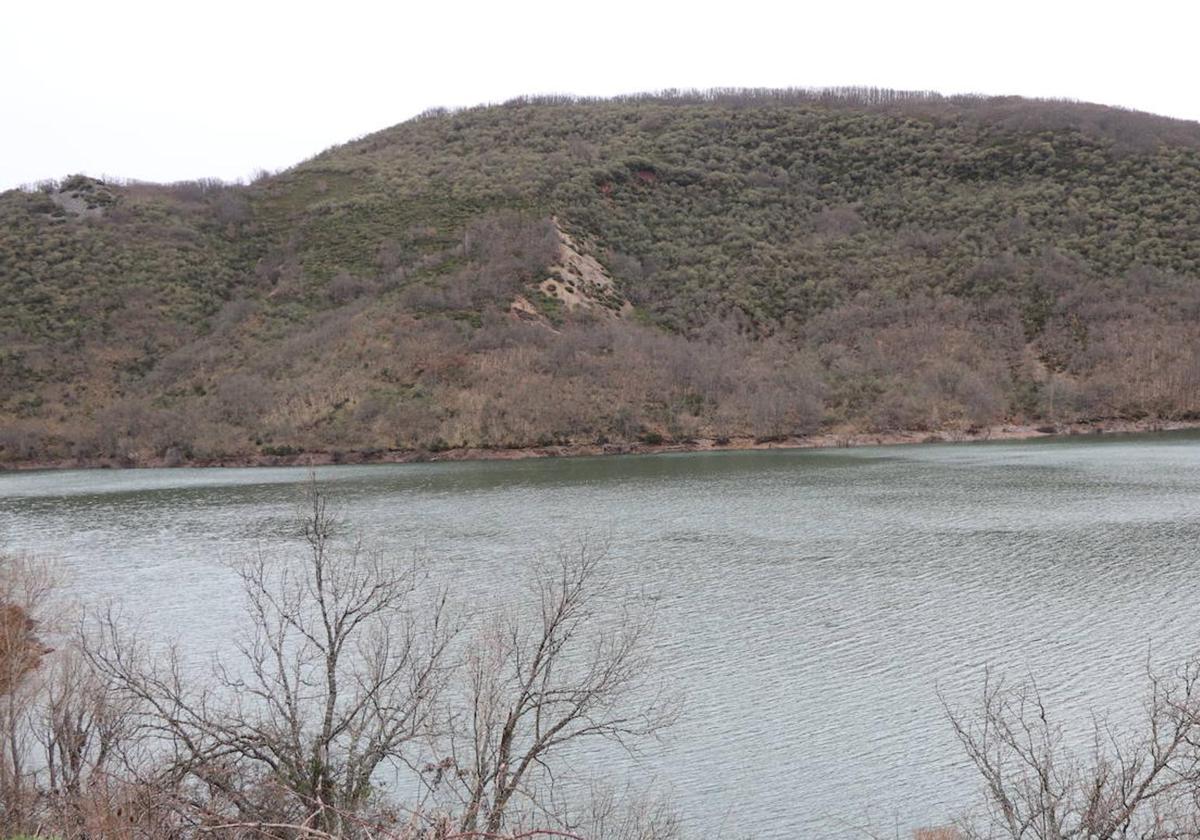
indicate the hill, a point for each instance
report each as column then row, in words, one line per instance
column 558, row 271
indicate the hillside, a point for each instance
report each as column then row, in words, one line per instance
column 743, row 263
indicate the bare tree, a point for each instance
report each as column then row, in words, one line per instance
column 629, row 816
column 338, row 677
column 1144, row 784
column 537, row 683
column 26, row 587
column 63, row 730
column 83, row 729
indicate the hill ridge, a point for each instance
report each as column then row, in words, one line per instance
column 787, row 262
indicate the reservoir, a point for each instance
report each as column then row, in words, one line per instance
column 813, row 606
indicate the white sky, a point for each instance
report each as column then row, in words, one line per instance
column 173, row 89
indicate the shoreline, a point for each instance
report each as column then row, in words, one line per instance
column 820, row 440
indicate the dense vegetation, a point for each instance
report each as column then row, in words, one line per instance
column 769, row 263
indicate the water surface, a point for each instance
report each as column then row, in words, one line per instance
column 811, row 603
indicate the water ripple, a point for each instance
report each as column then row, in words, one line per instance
column 812, row 604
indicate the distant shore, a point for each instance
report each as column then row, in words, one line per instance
column 820, row 440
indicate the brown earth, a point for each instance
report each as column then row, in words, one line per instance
column 824, row 440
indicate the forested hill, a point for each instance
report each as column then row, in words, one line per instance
column 735, row 263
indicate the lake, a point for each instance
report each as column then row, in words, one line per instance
column 812, row 604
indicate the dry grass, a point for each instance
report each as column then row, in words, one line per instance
column 944, row 832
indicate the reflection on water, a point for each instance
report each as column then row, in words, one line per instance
column 813, row 603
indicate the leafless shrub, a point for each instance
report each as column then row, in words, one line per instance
column 229, row 207
column 338, row 676
column 536, row 683
column 85, row 737
column 26, row 587
column 342, row 672
column 241, row 398
column 631, row 816
column 345, row 287
column 1143, row 783
column 509, row 250
column 837, row 221
column 20, row 442
column 196, row 190
column 505, row 252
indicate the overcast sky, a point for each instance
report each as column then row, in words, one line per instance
column 172, row 90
